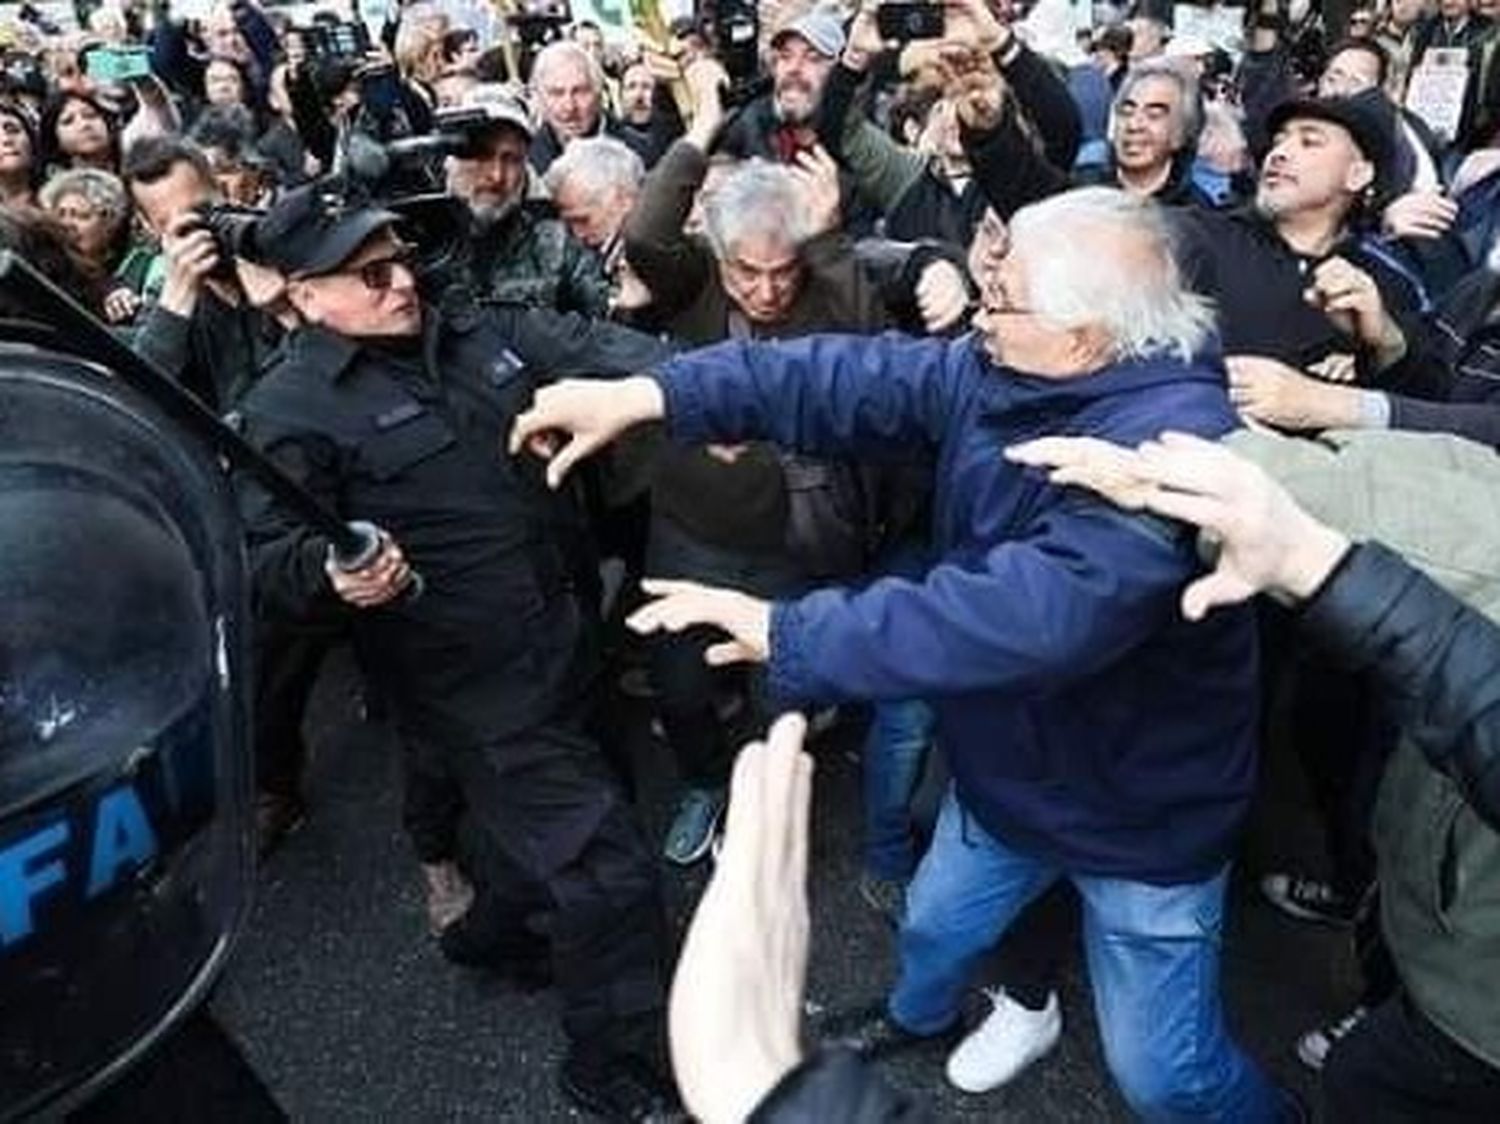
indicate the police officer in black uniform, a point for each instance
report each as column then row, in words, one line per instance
column 395, row 413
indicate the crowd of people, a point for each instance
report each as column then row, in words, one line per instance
column 897, row 376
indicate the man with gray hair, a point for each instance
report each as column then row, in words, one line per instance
column 1092, row 735
column 567, row 87
column 1154, row 124
column 772, row 262
column 594, row 184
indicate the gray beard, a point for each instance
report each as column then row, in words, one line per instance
column 488, row 217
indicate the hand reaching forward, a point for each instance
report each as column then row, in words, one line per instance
column 576, row 417
column 1266, row 542
column 682, row 605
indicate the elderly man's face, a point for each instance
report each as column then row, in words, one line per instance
column 762, row 274
column 1311, row 164
column 1148, row 125
column 570, row 102
column 494, row 180
column 798, row 71
column 1015, row 336
column 593, row 219
column 222, row 84
column 1349, row 73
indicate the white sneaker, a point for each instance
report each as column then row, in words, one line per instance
column 1010, row 1039
column 1314, row 1047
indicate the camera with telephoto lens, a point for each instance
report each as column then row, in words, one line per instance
column 233, row 231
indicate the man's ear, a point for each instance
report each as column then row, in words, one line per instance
column 1360, row 177
column 303, row 297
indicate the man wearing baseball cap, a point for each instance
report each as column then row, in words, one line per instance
column 777, row 125
column 522, row 253
column 395, row 413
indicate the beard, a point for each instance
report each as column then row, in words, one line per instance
column 796, row 105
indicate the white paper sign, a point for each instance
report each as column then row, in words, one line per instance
column 1436, row 90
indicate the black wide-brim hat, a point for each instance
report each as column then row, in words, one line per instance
column 1369, row 118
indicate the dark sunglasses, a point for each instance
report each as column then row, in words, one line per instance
column 380, row 274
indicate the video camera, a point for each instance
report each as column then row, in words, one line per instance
column 538, row 23
column 404, row 176
column 233, row 231
column 736, row 33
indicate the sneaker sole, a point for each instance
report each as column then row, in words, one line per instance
column 1292, row 909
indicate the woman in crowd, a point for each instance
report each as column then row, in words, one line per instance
column 77, row 131
column 19, row 167
column 92, row 208
column 225, row 83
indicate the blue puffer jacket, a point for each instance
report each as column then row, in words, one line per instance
column 1085, row 723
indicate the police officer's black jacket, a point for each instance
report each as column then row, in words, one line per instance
column 410, row 436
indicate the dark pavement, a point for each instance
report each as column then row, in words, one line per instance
column 346, row 1011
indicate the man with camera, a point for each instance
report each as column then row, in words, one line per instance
column 215, row 337
column 523, row 254
column 203, row 330
column 393, row 412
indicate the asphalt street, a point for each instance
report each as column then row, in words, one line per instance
column 346, row 1012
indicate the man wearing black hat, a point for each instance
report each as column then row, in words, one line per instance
column 1300, row 281
column 1306, row 293
column 393, row 413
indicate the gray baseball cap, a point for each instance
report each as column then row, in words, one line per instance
column 822, row 29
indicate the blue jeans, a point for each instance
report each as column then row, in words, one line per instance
column 894, row 755
column 1153, row 959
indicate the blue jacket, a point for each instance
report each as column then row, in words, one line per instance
column 1085, row 723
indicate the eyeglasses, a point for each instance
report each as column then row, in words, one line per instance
column 380, row 275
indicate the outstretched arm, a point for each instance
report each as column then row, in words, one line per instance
column 859, row 395
column 1043, row 610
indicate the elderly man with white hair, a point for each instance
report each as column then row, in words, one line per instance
column 594, row 184
column 1092, row 734
column 567, row 87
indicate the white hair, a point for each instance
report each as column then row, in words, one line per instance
column 101, row 190
column 596, row 166
column 756, row 198
column 1130, row 286
column 565, row 50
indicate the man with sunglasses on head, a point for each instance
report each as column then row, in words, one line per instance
column 392, row 412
